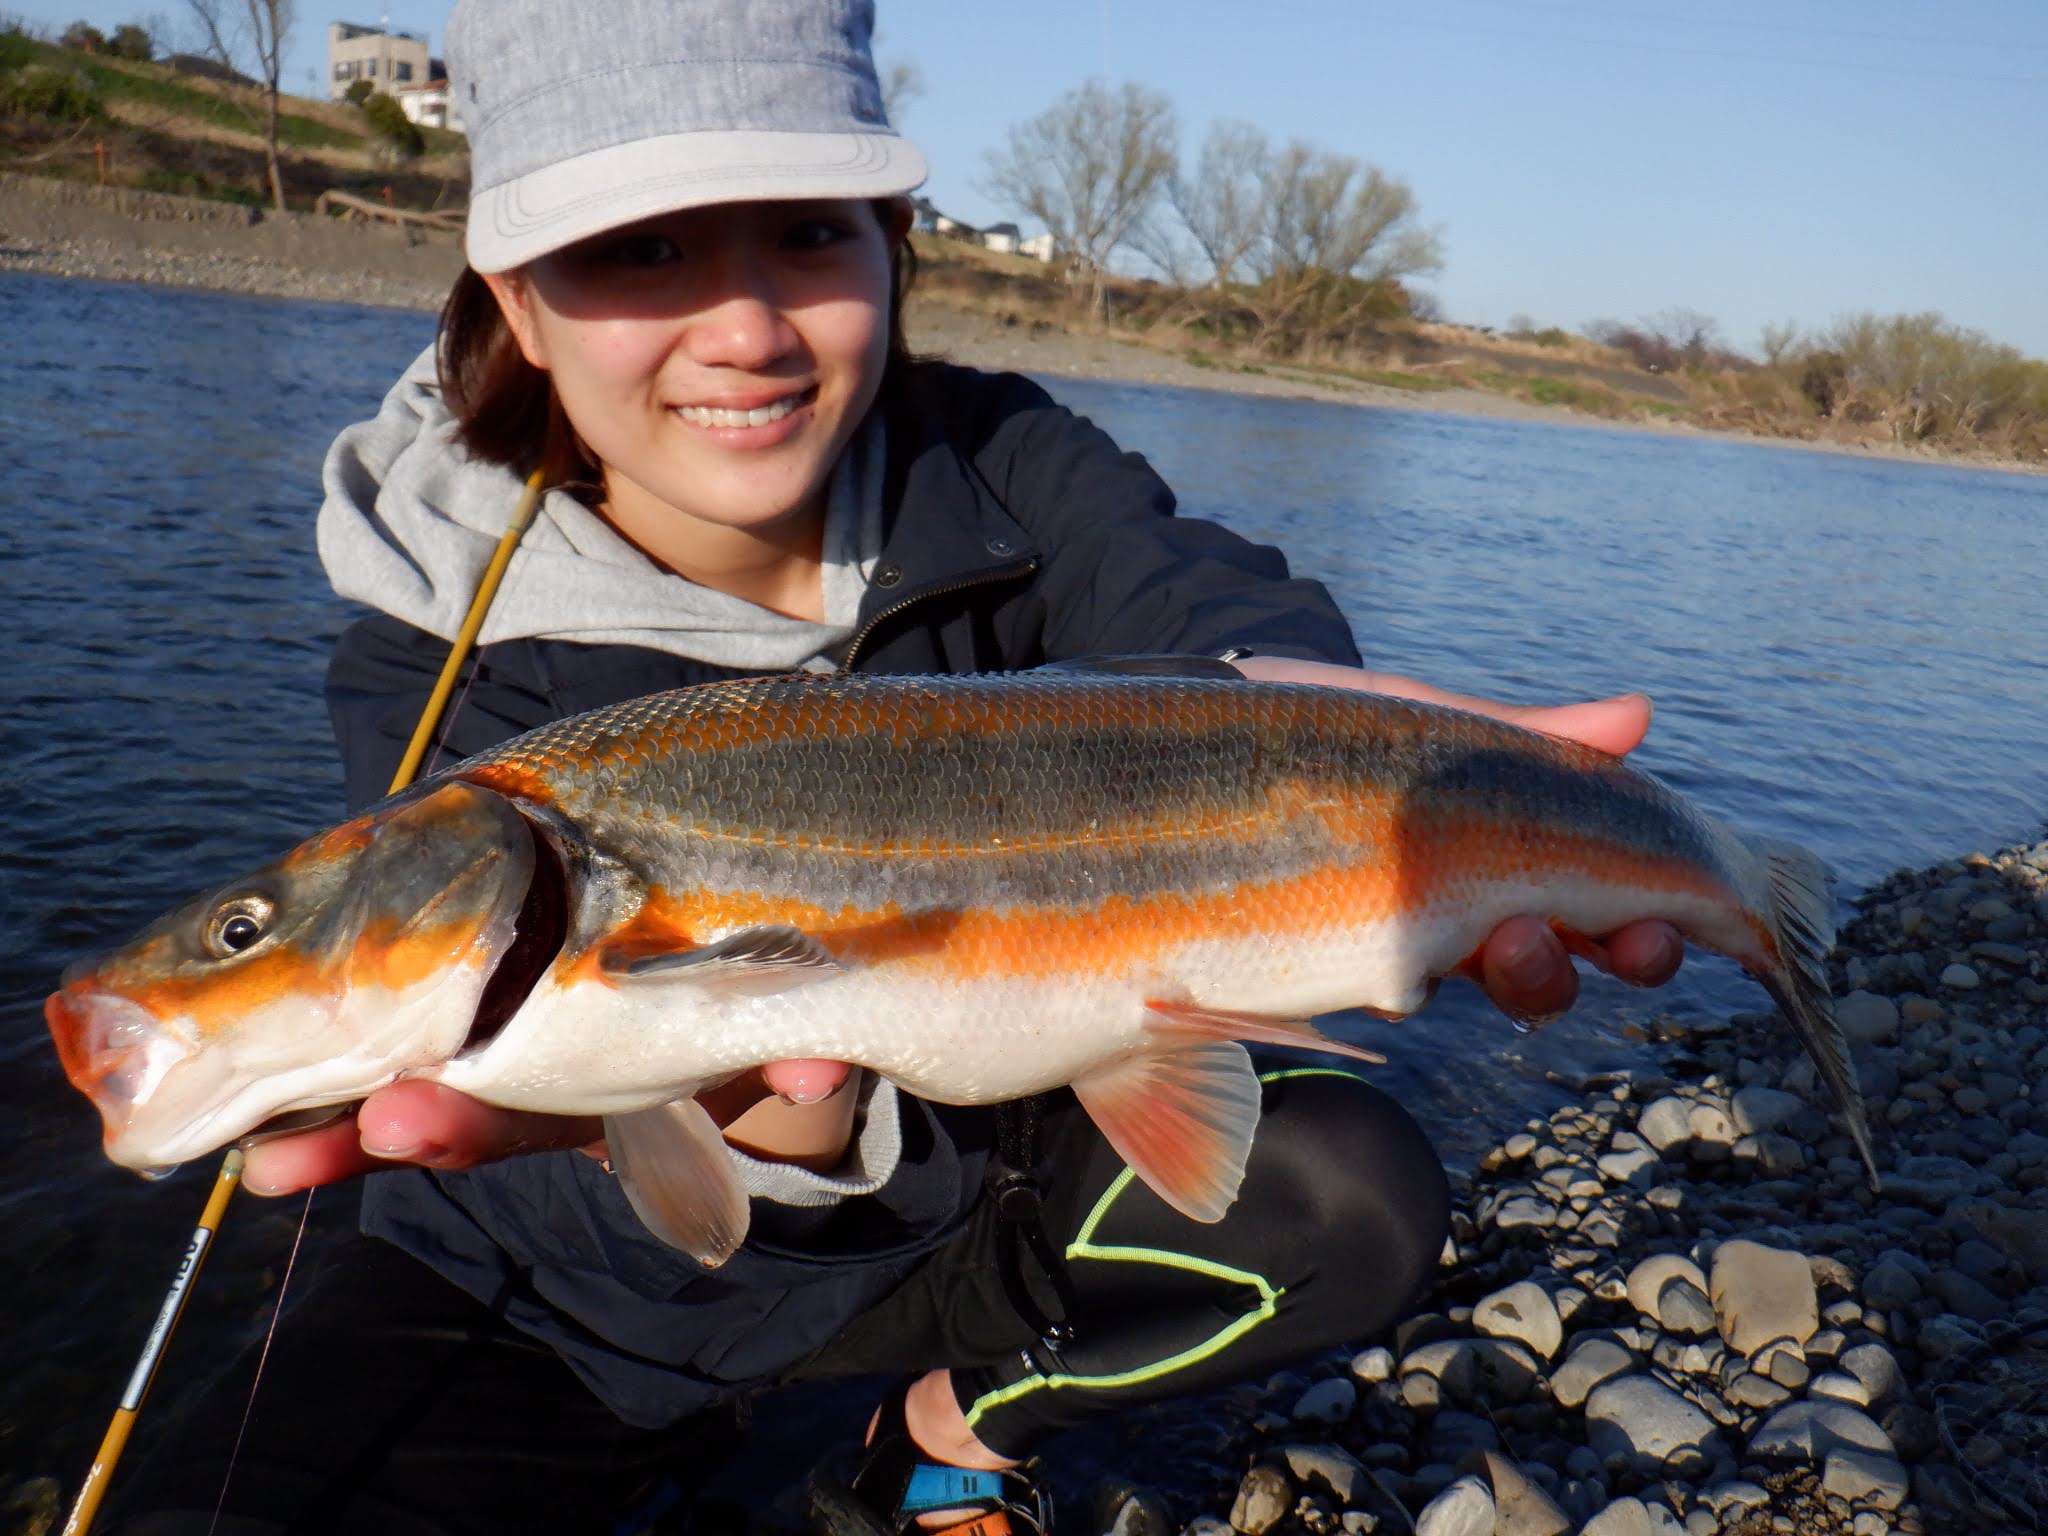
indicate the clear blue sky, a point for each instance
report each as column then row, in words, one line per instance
column 1584, row 158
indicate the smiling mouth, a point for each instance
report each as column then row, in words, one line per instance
column 759, row 416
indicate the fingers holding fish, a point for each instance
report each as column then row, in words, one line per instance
column 1616, row 726
column 1526, row 968
column 420, row 1123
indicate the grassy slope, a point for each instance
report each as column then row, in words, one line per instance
column 171, row 132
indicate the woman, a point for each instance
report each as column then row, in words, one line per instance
column 687, row 243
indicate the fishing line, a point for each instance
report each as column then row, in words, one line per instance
column 93, row 1488
column 262, row 1359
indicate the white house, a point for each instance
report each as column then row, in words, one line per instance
column 431, row 105
column 389, row 60
column 1038, row 247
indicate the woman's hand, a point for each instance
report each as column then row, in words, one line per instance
column 430, row 1126
column 1523, row 965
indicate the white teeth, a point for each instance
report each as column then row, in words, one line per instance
column 759, row 416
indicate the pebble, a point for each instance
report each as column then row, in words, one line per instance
column 1373, row 1365
column 1624, row 1517
column 1523, row 1312
column 1521, row 1508
column 1868, row 1017
column 1592, row 1360
column 1807, row 1431
column 1761, row 1295
column 1329, row 1467
column 1865, row 1477
column 1665, row 1124
column 1650, row 1426
column 1647, row 1280
column 1874, row 1369
column 1961, row 977
column 1264, row 1498
column 1465, row 1508
column 1683, row 1308
column 1327, row 1402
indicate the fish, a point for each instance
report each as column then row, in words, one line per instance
column 1109, row 877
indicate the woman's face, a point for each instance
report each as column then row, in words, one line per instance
column 715, row 361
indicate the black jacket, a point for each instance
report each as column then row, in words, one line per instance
column 1016, row 534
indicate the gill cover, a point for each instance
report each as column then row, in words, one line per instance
column 354, row 959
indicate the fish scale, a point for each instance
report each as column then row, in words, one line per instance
column 979, row 887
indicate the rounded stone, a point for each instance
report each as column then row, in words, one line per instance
column 1683, row 1308
column 1623, row 1517
column 1763, row 1294
column 1327, row 1402
column 1265, row 1497
column 1523, row 1312
column 1649, row 1278
column 1650, row 1426
column 1759, row 1109
column 1960, row 977
column 1373, row 1365
column 1864, row 1477
column 1665, row 1123
column 1592, row 1360
column 1809, row 1430
column 1874, row 1368
column 1465, row 1508
column 1869, row 1017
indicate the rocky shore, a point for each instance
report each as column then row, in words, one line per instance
column 1677, row 1307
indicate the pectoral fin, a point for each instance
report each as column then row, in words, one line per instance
column 1183, row 1118
column 672, row 1164
column 754, row 962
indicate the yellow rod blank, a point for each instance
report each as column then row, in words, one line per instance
column 94, row 1488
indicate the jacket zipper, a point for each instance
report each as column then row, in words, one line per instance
column 1015, row 571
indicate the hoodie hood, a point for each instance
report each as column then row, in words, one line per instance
column 410, row 521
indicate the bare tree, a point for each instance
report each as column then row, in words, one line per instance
column 1778, row 341
column 260, row 26
column 1088, row 168
column 1223, row 203
column 902, row 83
column 1338, row 235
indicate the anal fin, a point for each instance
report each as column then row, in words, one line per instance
column 672, row 1164
column 1193, row 1021
column 1182, row 1118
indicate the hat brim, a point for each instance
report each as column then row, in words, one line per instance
column 514, row 222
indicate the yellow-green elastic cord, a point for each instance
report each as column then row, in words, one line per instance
column 1084, row 1246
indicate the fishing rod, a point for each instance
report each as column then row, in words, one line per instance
column 86, row 1506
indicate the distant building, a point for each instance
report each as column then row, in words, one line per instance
column 1038, row 247
column 430, row 105
column 388, row 60
column 1002, row 238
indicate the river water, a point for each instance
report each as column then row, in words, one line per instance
column 1843, row 651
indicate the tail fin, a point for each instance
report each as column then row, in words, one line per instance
column 1806, row 932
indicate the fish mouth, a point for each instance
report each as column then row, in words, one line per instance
column 113, row 1051
column 539, row 931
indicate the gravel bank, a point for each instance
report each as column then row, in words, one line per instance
column 1678, row 1308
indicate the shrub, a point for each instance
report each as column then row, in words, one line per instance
column 131, row 41
column 399, row 134
column 358, row 92
column 85, row 37
column 58, row 95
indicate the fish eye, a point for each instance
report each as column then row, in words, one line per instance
column 236, row 924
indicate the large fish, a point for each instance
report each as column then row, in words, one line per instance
column 978, row 887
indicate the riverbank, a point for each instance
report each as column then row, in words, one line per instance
column 71, row 229
column 1676, row 1306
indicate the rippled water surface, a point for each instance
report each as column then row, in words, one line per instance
column 1843, row 651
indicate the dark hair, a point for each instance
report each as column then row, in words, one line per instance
column 506, row 410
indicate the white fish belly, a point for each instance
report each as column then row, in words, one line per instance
column 604, row 1049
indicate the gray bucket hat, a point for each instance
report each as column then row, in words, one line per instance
column 587, row 114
